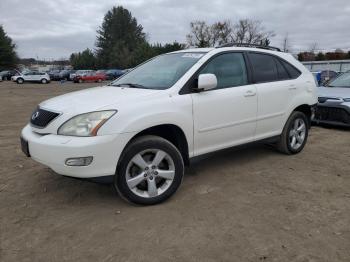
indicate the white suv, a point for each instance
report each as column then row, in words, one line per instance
column 32, row 76
column 145, row 127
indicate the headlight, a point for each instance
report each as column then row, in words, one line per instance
column 86, row 124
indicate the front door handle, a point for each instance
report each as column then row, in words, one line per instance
column 292, row 87
column 249, row 93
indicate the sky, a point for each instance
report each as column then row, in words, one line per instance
column 53, row 29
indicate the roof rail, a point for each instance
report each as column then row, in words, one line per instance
column 250, row 45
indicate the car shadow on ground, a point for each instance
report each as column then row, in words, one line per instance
column 334, row 127
column 238, row 155
column 80, row 191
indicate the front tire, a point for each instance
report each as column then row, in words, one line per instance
column 294, row 135
column 20, row 81
column 43, row 81
column 150, row 171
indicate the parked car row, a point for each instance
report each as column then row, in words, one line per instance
column 77, row 76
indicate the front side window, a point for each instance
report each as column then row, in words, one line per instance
column 229, row 69
column 161, row 72
column 264, row 68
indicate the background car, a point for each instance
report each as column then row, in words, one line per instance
column 7, row 75
column 112, row 74
column 79, row 72
column 64, row 74
column 89, row 77
column 54, row 74
column 334, row 102
column 32, row 76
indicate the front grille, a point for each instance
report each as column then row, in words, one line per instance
column 41, row 117
column 332, row 114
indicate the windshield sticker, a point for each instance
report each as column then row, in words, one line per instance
column 193, row 55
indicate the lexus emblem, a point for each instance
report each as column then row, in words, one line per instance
column 35, row 115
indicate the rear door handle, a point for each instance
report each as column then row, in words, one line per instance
column 249, row 93
column 292, row 87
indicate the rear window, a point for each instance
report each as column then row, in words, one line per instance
column 264, row 67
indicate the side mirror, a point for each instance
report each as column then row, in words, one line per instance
column 207, row 82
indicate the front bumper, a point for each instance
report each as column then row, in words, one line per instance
column 333, row 113
column 53, row 151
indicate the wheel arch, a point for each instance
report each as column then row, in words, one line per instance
column 307, row 110
column 170, row 132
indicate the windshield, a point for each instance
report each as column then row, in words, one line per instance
column 341, row 81
column 161, row 72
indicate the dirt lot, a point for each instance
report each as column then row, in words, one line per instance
column 247, row 204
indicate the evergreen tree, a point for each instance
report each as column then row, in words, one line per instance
column 118, row 39
column 320, row 56
column 83, row 60
column 8, row 56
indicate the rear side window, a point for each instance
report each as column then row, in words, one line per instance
column 292, row 71
column 229, row 69
column 264, row 67
column 282, row 72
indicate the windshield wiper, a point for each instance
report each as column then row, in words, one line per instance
column 131, row 85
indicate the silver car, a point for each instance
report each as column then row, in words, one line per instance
column 334, row 102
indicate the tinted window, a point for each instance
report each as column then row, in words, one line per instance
column 229, row 69
column 282, row 72
column 293, row 72
column 264, row 67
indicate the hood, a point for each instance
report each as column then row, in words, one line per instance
column 334, row 92
column 98, row 98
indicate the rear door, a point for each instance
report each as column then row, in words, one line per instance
column 225, row 116
column 29, row 76
column 275, row 90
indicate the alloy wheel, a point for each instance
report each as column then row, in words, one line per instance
column 297, row 133
column 150, row 173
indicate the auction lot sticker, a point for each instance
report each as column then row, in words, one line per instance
column 193, row 55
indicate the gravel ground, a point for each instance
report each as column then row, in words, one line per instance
column 245, row 204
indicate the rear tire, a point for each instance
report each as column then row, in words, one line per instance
column 294, row 135
column 150, row 171
column 80, row 80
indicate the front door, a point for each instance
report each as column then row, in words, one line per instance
column 226, row 115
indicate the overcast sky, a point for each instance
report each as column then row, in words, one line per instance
column 56, row 28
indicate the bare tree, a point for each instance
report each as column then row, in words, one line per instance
column 200, row 35
column 221, row 33
column 313, row 47
column 244, row 31
column 250, row 32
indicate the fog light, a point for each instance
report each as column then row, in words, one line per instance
column 79, row 161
